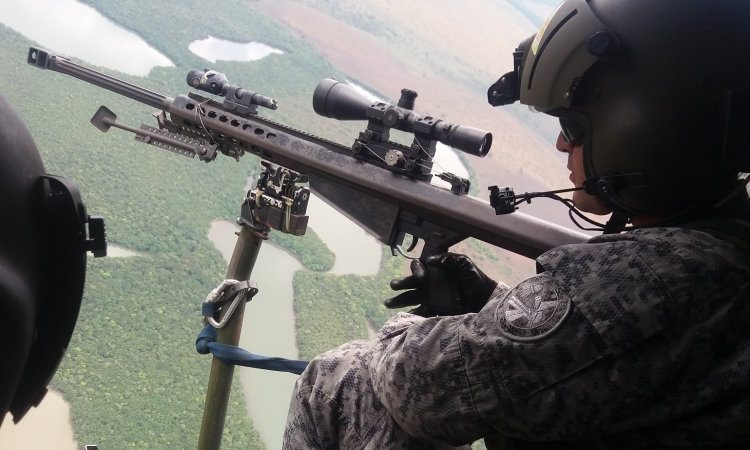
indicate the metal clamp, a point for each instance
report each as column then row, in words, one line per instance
column 217, row 298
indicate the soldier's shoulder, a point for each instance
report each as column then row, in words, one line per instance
column 629, row 286
column 673, row 239
column 663, row 249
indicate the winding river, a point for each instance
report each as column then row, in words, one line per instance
column 46, row 427
column 269, row 326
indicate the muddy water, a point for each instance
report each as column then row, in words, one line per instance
column 269, row 323
column 268, row 329
column 46, row 427
column 74, row 29
column 356, row 251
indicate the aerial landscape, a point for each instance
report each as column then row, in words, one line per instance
column 131, row 377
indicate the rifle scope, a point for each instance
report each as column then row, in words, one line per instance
column 340, row 101
column 216, row 83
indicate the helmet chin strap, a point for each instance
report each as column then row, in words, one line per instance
column 617, row 221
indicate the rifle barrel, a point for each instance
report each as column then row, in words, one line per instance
column 46, row 60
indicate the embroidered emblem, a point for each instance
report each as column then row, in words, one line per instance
column 532, row 310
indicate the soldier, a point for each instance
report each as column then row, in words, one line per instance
column 636, row 339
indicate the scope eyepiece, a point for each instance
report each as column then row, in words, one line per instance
column 209, row 81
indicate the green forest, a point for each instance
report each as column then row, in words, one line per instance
column 131, row 373
column 353, row 299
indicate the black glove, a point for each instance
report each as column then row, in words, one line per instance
column 468, row 288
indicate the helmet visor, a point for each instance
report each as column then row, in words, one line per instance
column 573, row 131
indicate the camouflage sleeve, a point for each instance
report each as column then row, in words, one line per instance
column 500, row 289
column 559, row 356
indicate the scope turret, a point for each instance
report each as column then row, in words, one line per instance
column 207, row 80
column 342, row 102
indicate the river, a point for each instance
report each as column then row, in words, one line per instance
column 269, row 324
column 46, row 427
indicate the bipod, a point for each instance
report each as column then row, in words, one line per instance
column 275, row 203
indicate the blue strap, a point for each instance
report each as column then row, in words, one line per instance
column 229, row 354
column 208, row 309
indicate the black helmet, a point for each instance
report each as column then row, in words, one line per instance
column 660, row 87
column 43, row 248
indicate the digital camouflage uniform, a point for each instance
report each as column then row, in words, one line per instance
column 636, row 340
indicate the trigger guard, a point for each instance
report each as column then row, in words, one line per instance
column 414, row 242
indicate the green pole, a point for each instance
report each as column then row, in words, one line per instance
column 220, row 381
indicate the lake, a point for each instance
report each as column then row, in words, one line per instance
column 74, row 29
column 213, row 49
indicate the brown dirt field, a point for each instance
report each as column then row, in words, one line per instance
column 483, row 33
column 365, row 58
column 519, row 157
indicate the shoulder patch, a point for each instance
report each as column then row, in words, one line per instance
column 532, row 310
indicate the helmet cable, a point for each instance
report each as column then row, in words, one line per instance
column 619, row 219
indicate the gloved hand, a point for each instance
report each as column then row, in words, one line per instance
column 470, row 289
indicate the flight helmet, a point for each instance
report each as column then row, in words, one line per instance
column 43, row 245
column 658, row 90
